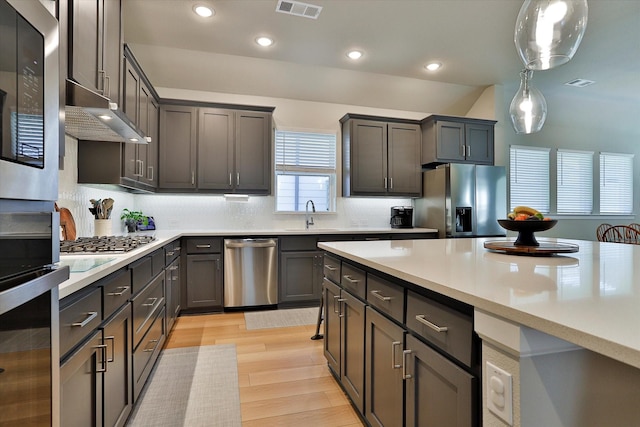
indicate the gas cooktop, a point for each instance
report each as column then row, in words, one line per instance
column 104, row 244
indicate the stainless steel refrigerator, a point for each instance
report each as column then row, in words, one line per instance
column 462, row 200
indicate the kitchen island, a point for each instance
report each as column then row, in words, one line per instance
column 564, row 327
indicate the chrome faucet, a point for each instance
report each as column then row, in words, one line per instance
column 308, row 220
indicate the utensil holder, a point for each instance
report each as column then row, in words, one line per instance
column 102, row 227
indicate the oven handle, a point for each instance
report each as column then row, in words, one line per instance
column 90, row 316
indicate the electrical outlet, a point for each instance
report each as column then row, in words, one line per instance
column 499, row 391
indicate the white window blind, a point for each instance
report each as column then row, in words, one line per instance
column 575, row 182
column 305, row 170
column 616, row 183
column 529, row 177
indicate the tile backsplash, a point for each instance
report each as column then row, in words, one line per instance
column 208, row 212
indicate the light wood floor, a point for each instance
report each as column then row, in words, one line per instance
column 283, row 375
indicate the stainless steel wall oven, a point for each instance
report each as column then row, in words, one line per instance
column 29, row 226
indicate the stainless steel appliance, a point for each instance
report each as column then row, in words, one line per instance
column 463, row 200
column 104, row 244
column 250, row 272
column 401, row 217
column 29, row 226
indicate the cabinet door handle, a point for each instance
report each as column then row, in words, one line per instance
column 380, row 297
column 121, row 291
column 405, row 376
column 113, row 348
column 107, row 83
column 237, row 179
column 350, row 280
column 390, row 183
column 150, row 304
column 218, row 264
column 335, row 299
column 90, row 316
column 463, row 150
column 103, row 362
column 420, row 318
column 193, row 178
column 468, row 154
column 330, row 267
column 203, row 246
column 230, row 180
column 385, row 182
column 340, row 301
column 150, row 175
column 394, row 365
column 103, row 74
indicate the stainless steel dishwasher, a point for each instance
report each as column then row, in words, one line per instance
column 250, row 272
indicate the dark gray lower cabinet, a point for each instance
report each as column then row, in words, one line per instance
column 438, row 393
column 331, row 294
column 204, row 281
column 118, row 399
column 300, row 276
column 172, row 284
column 384, row 406
column 81, row 382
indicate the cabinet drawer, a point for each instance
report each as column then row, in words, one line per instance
column 79, row 319
column 298, row 243
column 204, row 246
column 141, row 274
column 171, row 252
column 386, row 297
column 425, row 316
column 116, row 291
column 145, row 306
column 147, row 352
column 354, row 280
column 332, row 268
column 157, row 262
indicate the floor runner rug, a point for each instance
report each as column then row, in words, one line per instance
column 192, row 386
column 281, row 318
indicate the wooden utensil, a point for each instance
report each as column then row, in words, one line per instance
column 67, row 223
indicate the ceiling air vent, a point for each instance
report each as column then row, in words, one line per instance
column 579, row 82
column 298, row 9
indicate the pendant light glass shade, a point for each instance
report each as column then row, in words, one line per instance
column 548, row 32
column 528, row 109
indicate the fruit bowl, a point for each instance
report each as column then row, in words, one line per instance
column 526, row 229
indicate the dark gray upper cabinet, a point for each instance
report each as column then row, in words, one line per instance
column 95, row 48
column 215, row 148
column 253, row 152
column 381, row 156
column 177, row 159
column 455, row 139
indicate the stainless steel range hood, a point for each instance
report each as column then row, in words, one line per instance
column 92, row 117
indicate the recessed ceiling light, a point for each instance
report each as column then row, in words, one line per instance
column 264, row 41
column 203, row 11
column 433, row 66
column 354, row 54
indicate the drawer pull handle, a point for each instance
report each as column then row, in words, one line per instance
column 177, row 249
column 405, row 376
column 150, row 304
column 90, row 316
column 394, row 365
column 121, row 291
column 330, row 267
column 173, row 268
column 103, row 361
column 350, row 280
column 380, row 297
column 170, row 253
column 203, row 246
column 148, row 350
column 420, row 318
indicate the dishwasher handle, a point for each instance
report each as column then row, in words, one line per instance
column 250, row 243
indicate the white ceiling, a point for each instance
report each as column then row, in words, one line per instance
column 472, row 38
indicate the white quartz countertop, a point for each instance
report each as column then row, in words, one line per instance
column 87, row 268
column 590, row 298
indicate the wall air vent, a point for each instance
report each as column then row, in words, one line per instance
column 579, row 82
column 298, row 9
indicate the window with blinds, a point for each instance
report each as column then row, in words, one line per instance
column 529, row 177
column 305, row 170
column 616, row 183
column 574, row 182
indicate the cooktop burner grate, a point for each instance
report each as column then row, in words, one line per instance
column 104, row 244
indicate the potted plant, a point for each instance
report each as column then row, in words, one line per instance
column 132, row 219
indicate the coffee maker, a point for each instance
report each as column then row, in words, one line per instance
column 401, row 217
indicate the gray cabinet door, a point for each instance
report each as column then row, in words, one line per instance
column 204, row 281
column 300, row 276
column 384, row 405
column 172, row 284
column 404, row 169
column 438, row 394
column 151, row 165
column 118, row 399
column 450, row 141
column 81, row 385
column 352, row 351
column 479, row 139
column 85, row 42
column 215, row 149
column 112, row 51
column 252, row 152
column 177, row 161
column 332, row 333
column 368, row 157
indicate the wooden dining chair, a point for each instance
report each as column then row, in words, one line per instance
column 621, row 234
column 635, row 226
column 600, row 231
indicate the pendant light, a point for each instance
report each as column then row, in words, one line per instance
column 528, row 109
column 548, row 32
